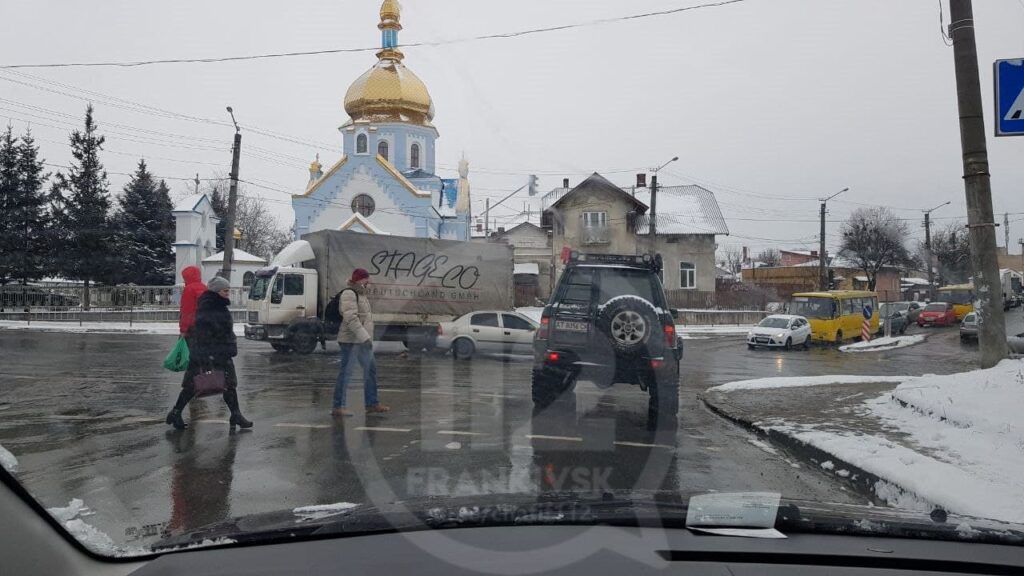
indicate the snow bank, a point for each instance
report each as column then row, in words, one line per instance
column 531, row 312
column 103, row 327
column 760, row 383
column 685, row 329
column 7, row 460
column 88, row 535
column 883, row 344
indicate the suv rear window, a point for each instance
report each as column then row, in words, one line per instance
column 621, row 281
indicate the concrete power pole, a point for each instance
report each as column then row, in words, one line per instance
column 1006, row 232
column 229, row 224
column 980, row 218
column 822, row 271
column 928, row 248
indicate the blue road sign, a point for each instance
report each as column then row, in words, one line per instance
column 1009, row 92
column 867, row 311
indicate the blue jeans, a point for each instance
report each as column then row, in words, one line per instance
column 365, row 356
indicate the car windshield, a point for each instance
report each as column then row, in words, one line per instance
column 273, row 272
column 774, row 323
column 812, row 307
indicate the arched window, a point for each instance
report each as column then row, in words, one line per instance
column 247, row 279
column 382, row 149
column 361, row 144
column 363, row 204
column 414, row 156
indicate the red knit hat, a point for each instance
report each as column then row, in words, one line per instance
column 359, row 274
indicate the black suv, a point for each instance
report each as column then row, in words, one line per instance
column 608, row 322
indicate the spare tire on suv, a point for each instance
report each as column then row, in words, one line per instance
column 628, row 322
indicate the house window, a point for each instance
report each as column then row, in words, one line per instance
column 687, row 275
column 361, row 144
column 363, row 204
column 595, row 228
column 382, row 149
column 414, row 156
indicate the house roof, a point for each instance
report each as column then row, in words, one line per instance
column 595, row 180
column 236, row 256
column 357, row 220
column 189, row 203
column 683, row 210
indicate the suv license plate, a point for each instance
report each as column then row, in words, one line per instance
column 570, row 326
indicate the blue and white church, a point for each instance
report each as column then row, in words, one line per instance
column 385, row 181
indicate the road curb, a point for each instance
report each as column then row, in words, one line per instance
column 862, row 481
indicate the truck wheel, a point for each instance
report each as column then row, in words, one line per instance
column 663, row 404
column 548, row 385
column 304, row 342
column 463, row 349
column 280, row 347
column 627, row 322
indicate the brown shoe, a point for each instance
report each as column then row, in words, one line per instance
column 341, row 413
column 377, row 409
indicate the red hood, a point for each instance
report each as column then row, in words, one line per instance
column 192, row 274
column 933, row 313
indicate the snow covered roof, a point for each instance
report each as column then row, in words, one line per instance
column 359, row 223
column 236, row 256
column 683, row 210
column 526, row 268
column 915, row 281
column 189, row 203
column 861, row 278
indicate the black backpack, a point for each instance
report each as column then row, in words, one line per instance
column 332, row 313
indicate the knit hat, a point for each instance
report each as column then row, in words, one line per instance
column 217, row 284
column 359, row 274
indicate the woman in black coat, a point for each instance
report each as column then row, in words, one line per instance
column 213, row 344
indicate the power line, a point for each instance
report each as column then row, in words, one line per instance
column 503, row 35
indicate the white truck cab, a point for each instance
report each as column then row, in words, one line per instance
column 282, row 306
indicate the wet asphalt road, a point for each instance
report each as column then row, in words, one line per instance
column 83, row 413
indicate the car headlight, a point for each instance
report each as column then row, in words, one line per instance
column 780, row 335
column 750, row 334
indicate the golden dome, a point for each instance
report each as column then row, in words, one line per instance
column 389, row 92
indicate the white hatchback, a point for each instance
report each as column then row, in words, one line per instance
column 487, row 331
column 780, row 330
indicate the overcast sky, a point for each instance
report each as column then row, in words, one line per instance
column 769, row 103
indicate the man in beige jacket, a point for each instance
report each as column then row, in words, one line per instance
column 355, row 335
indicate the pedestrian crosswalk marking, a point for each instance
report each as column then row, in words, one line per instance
column 643, row 445
column 382, row 429
column 545, row 437
column 286, row 425
column 459, row 433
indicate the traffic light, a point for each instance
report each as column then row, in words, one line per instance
column 831, row 279
column 533, row 184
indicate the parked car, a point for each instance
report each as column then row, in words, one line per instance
column 895, row 315
column 937, row 314
column 969, row 327
column 780, row 330
column 487, row 331
column 914, row 310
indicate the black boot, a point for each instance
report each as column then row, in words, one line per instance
column 174, row 416
column 231, row 399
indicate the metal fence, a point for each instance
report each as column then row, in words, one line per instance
column 129, row 304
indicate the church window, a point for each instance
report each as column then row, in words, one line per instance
column 363, row 204
column 382, row 149
column 414, row 156
column 361, row 144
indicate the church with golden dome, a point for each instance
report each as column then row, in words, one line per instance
column 385, row 181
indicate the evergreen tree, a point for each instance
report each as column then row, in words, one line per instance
column 26, row 215
column 86, row 251
column 145, row 231
column 8, row 191
column 219, row 201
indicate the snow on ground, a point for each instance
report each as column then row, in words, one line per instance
column 732, row 330
column 760, row 383
column 7, row 460
column 88, row 535
column 323, row 510
column 103, row 327
column 883, row 344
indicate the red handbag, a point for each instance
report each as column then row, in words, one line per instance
column 209, row 383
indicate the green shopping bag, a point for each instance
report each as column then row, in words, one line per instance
column 177, row 360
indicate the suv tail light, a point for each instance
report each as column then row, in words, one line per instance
column 542, row 332
column 670, row 335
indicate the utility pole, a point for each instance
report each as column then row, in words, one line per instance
column 229, row 224
column 928, row 248
column 653, row 228
column 1006, row 232
column 487, row 218
column 822, row 273
column 977, row 187
column 197, row 182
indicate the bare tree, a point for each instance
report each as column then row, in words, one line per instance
column 731, row 259
column 769, row 257
column 873, row 239
column 951, row 247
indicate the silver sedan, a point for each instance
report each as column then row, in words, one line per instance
column 487, row 331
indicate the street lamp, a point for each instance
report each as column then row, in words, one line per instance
column 232, row 113
column 654, row 196
column 928, row 246
column 822, row 276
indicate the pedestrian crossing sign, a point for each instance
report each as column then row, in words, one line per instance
column 1009, row 93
